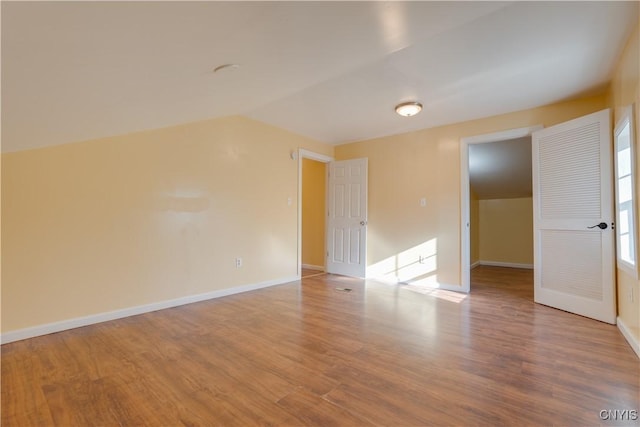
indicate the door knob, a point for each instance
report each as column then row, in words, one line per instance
column 601, row 226
column 365, row 223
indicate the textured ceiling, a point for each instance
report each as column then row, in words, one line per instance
column 332, row 71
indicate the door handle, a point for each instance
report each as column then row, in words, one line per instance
column 363, row 222
column 601, row 226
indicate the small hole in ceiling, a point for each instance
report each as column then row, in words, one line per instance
column 225, row 67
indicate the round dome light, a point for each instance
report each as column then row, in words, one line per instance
column 408, row 109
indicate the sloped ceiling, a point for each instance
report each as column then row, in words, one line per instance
column 501, row 170
column 332, row 71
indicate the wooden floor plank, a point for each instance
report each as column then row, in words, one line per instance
column 313, row 410
column 305, row 353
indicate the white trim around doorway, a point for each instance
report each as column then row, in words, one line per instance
column 305, row 154
column 465, row 219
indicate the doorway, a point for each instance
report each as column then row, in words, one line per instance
column 313, row 217
column 312, row 196
column 498, row 208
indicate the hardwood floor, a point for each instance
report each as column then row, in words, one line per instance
column 308, row 354
column 307, row 272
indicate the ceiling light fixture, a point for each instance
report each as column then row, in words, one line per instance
column 408, row 109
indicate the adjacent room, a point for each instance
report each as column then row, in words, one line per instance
column 501, row 205
column 320, row 213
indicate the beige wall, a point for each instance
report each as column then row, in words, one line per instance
column 506, row 230
column 625, row 90
column 474, row 226
column 145, row 217
column 313, row 212
column 135, row 219
column 426, row 163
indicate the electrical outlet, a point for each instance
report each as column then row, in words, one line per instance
column 238, row 262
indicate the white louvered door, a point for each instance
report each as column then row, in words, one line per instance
column 347, row 218
column 572, row 180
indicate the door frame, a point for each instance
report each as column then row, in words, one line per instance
column 311, row 155
column 465, row 216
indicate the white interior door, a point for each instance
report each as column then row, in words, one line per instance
column 347, row 218
column 572, row 182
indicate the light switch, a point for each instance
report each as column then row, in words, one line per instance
column 289, row 201
column 423, row 202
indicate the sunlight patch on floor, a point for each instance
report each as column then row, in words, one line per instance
column 450, row 296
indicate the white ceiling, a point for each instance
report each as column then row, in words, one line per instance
column 501, row 170
column 332, row 71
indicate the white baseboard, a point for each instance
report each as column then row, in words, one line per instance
column 631, row 338
column 505, row 264
column 453, row 288
column 77, row 322
column 475, row 264
column 313, row 267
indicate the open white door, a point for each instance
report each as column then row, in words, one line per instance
column 347, row 218
column 572, row 202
